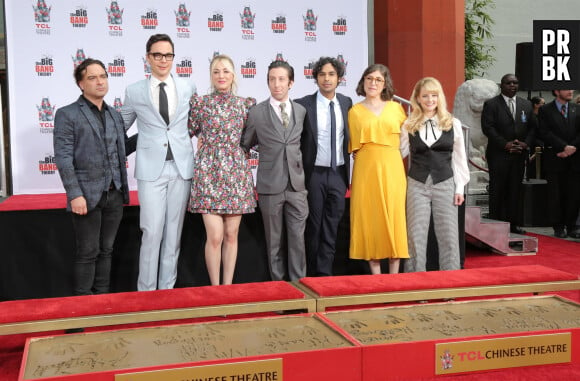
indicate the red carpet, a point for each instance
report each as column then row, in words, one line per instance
column 555, row 253
column 127, row 302
column 488, row 276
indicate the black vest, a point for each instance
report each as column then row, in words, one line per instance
column 434, row 160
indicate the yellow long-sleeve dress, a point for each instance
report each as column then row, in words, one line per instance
column 377, row 202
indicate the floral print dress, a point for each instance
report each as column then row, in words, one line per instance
column 222, row 180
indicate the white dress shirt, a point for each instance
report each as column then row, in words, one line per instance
column 507, row 102
column 323, row 141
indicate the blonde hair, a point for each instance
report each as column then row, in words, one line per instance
column 445, row 119
column 227, row 61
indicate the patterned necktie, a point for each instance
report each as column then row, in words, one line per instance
column 332, row 136
column 163, row 104
column 513, row 108
column 563, row 110
column 284, row 115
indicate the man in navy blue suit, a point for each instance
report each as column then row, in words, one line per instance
column 324, row 145
column 89, row 148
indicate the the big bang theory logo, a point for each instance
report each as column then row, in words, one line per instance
column 117, row 67
column 44, row 67
column 79, row 18
column 279, row 24
column 308, row 69
column 253, row 160
column 47, row 166
column 248, row 68
column 339, row 27
column 184, row 68
column 149, row 20
column 215, row 23
column 42, row 17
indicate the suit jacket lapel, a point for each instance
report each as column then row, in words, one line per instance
column 180, row 91
column 344, row 109
column 292, row 124
column 571, row 116
column 312, row 112
column 506, row 107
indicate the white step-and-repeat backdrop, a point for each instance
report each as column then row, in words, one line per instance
column 45, row 39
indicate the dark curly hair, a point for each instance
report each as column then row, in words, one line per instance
column 336, row 64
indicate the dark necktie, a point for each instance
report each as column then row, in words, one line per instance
column 332, row 136
column 164, row 111
column 430, row 122
column 163, row 104
column 563, row 110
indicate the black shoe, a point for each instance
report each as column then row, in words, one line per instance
column 559, row 233
column 517, row 230
column 575, row 233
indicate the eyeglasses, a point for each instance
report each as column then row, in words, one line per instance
column 160, row 56
column 377, row 80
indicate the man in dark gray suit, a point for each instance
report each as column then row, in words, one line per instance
column 276, row 125
column 324, row 146
column 89, row 149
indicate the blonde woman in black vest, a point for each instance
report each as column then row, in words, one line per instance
column 436, row 177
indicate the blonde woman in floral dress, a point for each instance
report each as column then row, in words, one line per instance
column 222, row 188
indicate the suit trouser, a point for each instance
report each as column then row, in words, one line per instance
column 95, row 234
column 326, row 203
column 289, row 209
column 422, row 199
column 563, row 198
column 162, row 208
column 505, row 187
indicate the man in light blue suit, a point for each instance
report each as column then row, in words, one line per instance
column 163, row 163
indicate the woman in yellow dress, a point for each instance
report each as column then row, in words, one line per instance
column 378, row 228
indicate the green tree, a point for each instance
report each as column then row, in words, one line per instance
column 478, row 25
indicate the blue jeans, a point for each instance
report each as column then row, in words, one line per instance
column 95, row 235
